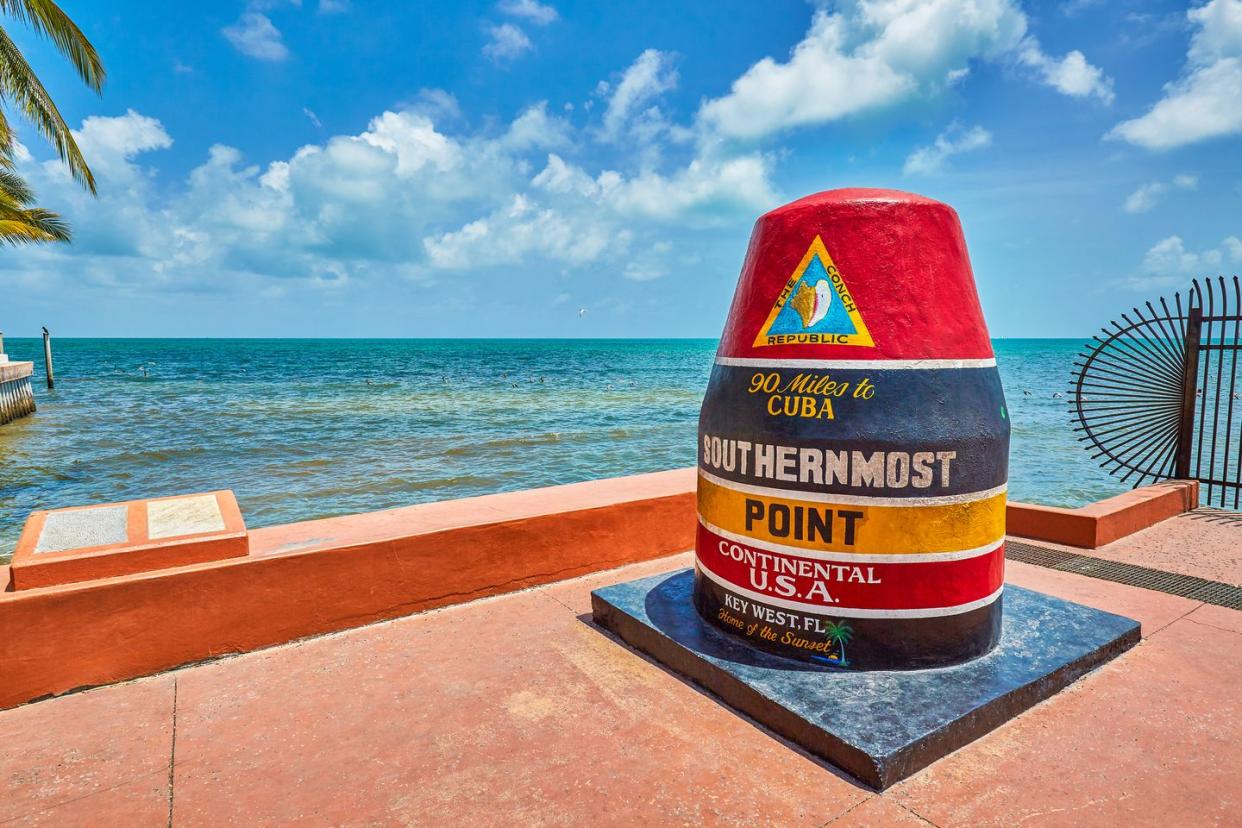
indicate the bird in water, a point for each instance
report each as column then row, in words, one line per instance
column 1026, row 393
column 1057, row 395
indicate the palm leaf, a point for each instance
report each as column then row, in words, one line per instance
column 19, row 222
column 14, row 189
column 46, row 18
column 31, row 227
column 51, row 225
column 6, row 139
column 18, row 81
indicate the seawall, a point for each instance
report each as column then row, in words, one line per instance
column 92, row 626
column 16, row 396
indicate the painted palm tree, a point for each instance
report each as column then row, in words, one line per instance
column 839, row 634
column 21, row 91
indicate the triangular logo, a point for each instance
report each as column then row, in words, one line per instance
column 815, row 307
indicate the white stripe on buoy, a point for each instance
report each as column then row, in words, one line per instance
column 852, row 500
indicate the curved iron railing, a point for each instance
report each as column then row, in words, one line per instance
column 1153, row 397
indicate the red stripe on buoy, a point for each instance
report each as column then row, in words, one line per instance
column 815, row 582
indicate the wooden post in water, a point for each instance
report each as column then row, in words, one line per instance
column 47, row 359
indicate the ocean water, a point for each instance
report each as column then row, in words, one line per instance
column 311, row 428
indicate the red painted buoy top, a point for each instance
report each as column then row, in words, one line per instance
column 897, row 268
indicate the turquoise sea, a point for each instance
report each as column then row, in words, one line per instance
column 311, row 428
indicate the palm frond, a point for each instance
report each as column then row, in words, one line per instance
column 19, row 82
column 14, row 189
column 19, row 222
column 51, row 225
column 6, row 140
column 46, row 18
column 31, row 227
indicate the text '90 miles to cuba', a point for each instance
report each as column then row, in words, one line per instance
column 807, row 395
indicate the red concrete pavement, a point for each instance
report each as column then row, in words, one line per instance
column 1205, row 543
column 515, row 710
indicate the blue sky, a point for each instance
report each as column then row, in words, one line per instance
column 355, row 168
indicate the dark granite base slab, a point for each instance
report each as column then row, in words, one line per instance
column 878, row 726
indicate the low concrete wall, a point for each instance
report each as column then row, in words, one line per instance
column 1105, row 521
column 320, row 576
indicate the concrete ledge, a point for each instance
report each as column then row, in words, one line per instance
column 15, row 370
column 1101, row 523
column 321, row 576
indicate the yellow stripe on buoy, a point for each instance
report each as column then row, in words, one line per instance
column 851, row 527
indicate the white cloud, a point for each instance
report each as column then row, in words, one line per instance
column 1072, row 8
column 120, row 137
column 506, row 42
column 312, row 117
column 559, row 177
column 1169, row 257
column 522, row 229
column 953, row 141
column 411, row 140
column 333, row 6
column 110, row 144
column 254, row 35
column 534, row 128
column 874, row 54
column 705, row 192
column 1071, row 75
column 437, row 104
column 649, row 76
column 643, row 272
column 529, row 10
column 268, row 5
column 1203, row 102
column 403, row 198
column 1147, row 196
column 1220, row 31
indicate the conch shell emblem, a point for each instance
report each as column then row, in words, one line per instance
column 812, row 303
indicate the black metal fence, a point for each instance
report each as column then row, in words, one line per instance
column 1155, row 395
